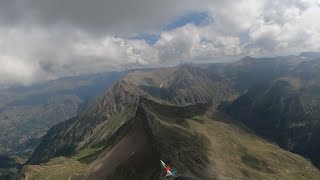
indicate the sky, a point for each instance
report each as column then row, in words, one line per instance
column 42, row 40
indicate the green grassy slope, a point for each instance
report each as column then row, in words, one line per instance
column 57, row 169
column 199, row 141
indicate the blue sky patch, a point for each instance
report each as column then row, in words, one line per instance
column 149, row 38
column 196, row 18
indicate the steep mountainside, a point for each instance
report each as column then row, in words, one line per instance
column 144, row 118
column 286, row 110
column 184, row 85
column 26, row 113
column 121, row 101
column 198, row 141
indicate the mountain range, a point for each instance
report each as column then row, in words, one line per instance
column 285, row 110
column 257, row 118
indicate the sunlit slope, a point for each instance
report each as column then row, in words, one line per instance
column 57, row 169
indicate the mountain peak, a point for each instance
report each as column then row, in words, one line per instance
column 245, row 59
column 186, row 66
column 189, row 69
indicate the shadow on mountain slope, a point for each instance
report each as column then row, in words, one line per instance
column 136, row 148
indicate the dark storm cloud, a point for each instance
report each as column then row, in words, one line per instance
column 117, row 16
column 11, row 12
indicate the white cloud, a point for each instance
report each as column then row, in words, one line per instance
column 16, row 71
column 41, row 40
column 295, row 28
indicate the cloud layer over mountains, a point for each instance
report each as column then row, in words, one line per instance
column 45, row 39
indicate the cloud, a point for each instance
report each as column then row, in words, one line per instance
column 287, row 29
column 192, row 43
column 99, row 16
column 16, row 71
column 42, row 39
